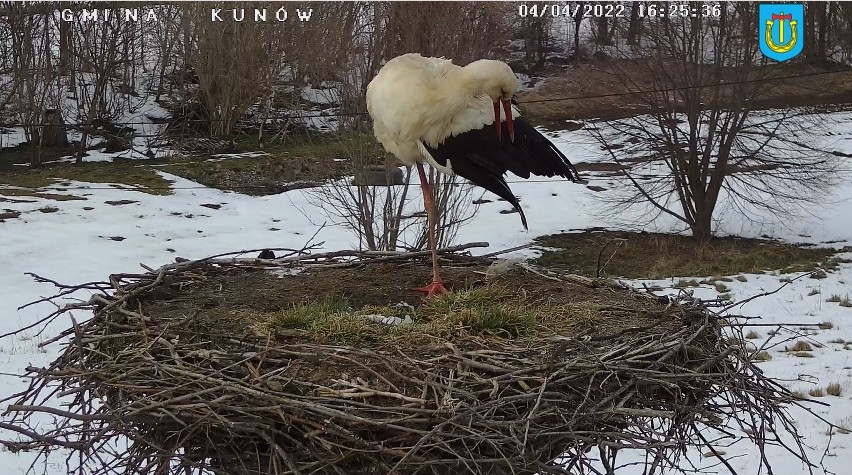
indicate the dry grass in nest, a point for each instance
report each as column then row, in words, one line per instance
column 220, row 365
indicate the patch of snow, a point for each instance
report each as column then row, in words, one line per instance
column 11, row 137
column 227, row 156
column 285, row 271
column 324, row 95
column 388, row 320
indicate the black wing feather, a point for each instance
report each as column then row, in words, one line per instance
column 478, row 156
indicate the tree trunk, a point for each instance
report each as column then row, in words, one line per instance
column 602, row 33
column 822, row 31
column 65, row 48
column 35, row 150
column 633, row 27
column 811, row 13
column 578, row 20
column 702, row 228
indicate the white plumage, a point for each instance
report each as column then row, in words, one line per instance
column 455, row 118
column 416, row 100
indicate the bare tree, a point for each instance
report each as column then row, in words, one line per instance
column 633, row 26
column 98, row 48
column 703, row 139
column 235, row 61
column 536, row 33
column 33, row 79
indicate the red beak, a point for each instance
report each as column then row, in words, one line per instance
column 507, row 107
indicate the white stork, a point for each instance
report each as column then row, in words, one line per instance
column 431, row 110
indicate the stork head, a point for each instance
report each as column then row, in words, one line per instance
column 497, row 80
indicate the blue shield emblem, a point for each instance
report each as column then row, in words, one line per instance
column 781, row 30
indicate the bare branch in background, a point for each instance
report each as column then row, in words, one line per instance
column 704, row 141
column 385, row 217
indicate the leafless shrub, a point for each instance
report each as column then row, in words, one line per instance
column 101, row 72
column 32, row 78
column 705, row 142
column 383, row 217
column 234, row 61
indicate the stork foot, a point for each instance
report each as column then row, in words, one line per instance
column 436, row 287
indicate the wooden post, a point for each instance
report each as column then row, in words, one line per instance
column 53, row 131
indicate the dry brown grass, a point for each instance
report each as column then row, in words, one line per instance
column 834, row 389
column 816, row 392
column 660, row 256
column 799, row 346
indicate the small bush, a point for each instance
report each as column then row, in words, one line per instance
column 834, row 389
column 813, row 292
column 826, row 326
column 800, row 346
column 762, row 356
column 816, row 392
column 752, row 335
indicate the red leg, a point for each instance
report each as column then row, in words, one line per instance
column 437, row 285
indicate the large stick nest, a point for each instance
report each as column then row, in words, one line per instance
column 221, row 365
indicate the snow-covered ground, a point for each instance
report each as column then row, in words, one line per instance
column 86, row 240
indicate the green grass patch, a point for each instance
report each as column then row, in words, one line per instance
column 124, row 172
column 311, row 145
column 296, row 158
column 305, row 315
column 659, row 256
column 482, row 311
column 310, row 158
